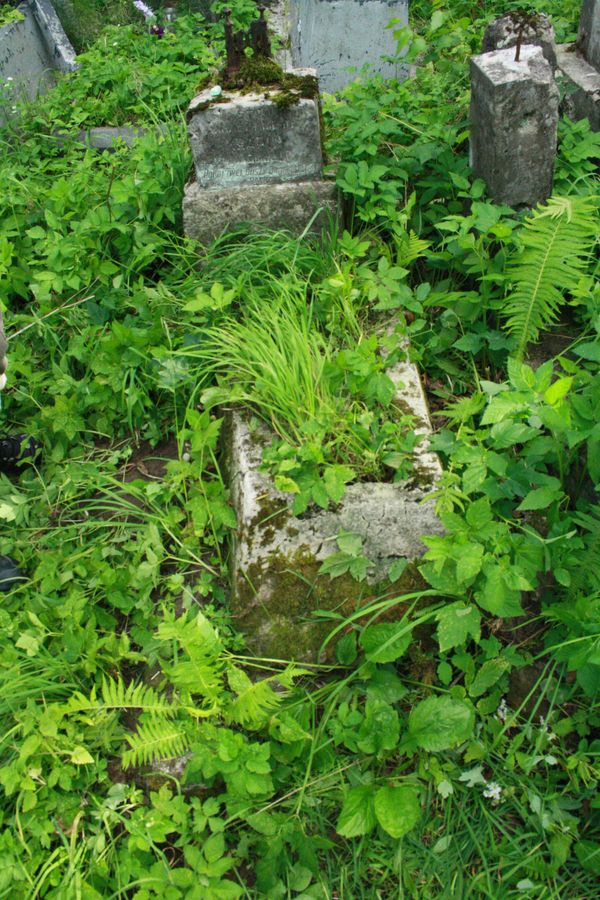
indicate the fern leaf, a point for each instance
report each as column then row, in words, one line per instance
column 155, row 739
column 200, row 670
column 256, row 701
column 117, row 695
column 557, row 243
column 409, row 248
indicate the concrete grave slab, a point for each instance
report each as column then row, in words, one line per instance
column 589, row 32
column 335, row 35
column 293, row 206
column 276, row 556
column 514, row 120
column 248, row 139
column 580, row 86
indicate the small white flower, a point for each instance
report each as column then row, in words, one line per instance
column 186, row 457
column 10, row 78
column 493, row 791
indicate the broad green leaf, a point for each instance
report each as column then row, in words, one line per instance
column 286, row 485
column 81, row 757
column 469, row 562
column 473, row 777
column 489, row 673
column 349, row 542
column 214, row 847
column 380, row 728
column 539, row 498
column 558, row 390
column 589, row 351
column 456, row 623
column 495, row 596
column 440, row 723
column 358, row 814
column 588, row 855
column 397, row 809
column 385, row 642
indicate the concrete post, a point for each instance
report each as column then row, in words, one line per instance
column 589, row 32
column 514, row 120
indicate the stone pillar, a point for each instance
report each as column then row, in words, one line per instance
column 514, row 120
column 257, row 158
column 335, row 35
column 589, row 32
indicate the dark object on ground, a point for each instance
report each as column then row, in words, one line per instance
column 10, row 574
column 15, row 449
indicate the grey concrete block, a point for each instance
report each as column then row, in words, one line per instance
column 292, row 206
column 247, row 139
column 580, row 87
column 335, row 35
column 25, row 67
column 589, row 31
column 276, row 556
column 58, row 46
column 514, row 120
column 504, row 32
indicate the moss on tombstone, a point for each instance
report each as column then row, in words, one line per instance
column 274, row 602
column 260, row 74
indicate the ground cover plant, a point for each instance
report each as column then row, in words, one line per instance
column 450, row 745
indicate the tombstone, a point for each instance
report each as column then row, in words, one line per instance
column 589, row 32
column 333, row 36
column 579, row 69
column 514, row 121
column 519, row 28
column 276, row 556
column 256, row 146
column 31, row 50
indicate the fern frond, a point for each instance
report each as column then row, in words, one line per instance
column 155, row 739
column 256, row 701
column 116, row 695
column 200, row 671
column 557, row 243
column 409, row 248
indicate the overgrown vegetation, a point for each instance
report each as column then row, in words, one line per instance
column 450, row 748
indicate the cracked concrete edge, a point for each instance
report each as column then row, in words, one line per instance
column 58, row 46
column 582, row 99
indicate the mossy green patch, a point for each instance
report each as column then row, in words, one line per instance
column 274, row 602
column 259, row 74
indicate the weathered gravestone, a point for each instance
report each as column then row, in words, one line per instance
column 276, row 555
column 339, row 37
column 256, row 145
column 31, row 50
column 579, row 69
column 589, row 32
column 514, row 121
